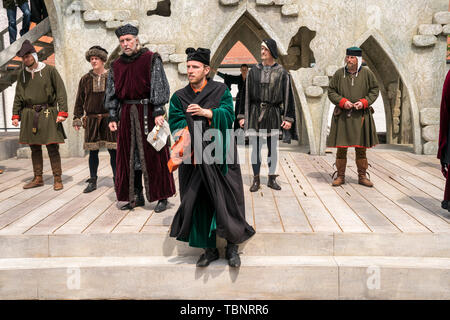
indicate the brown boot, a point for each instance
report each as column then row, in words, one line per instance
column 340, row 171
column 57, row 185
column 55, row 162
column 37, row 161
column 36, row 182
column 362, row 165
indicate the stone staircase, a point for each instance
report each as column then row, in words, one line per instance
column 274, row 266
column 10, row 65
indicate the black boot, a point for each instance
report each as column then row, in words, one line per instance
column 444, row 204
column 273, row 183
column 209, row 256
column 231, row 253
column 91, row 186
column 138, row 199
column 161, row 206
column 256, row 184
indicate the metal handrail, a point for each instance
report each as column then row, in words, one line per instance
column 4, row 31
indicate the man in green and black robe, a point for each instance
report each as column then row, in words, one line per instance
column 212, row 195
column 40, row 104
column 353, row 89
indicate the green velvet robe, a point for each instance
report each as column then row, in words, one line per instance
column 211, row 194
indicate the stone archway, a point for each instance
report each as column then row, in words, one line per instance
column 401, row 110
column 247, row 27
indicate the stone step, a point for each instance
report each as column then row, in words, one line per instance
column 175, row 277
column 262, row 244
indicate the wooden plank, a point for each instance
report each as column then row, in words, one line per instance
column 16, row 188
column 18, row 221
column 17, row 173
column 342, row 213
column 87, row 216
column 292, row 215
column 401, row 175
column 28, row 200
column 108, row 220
column 267, row 217
column 421, row 214
column 431, row 205
column 378, row 196
column 316, row 213
column 65, row 213
column 422, row 164
column 372, row 217
column 414, row 171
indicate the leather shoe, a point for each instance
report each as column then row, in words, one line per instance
column 91, row 186
column 256, row 184
column 161, row 206
column 209, row 256
column 231, row 253
column 139, row 201
column 272, row 183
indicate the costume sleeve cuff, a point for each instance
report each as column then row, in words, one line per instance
column 240, row 116
column 288, row 119
column 342, row 102
column 159, row 111
column 113, row 119
column 16, row 116
column 365, row 103
column 63, row 114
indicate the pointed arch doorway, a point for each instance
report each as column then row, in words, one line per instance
column 401, row 111
column 247, row 28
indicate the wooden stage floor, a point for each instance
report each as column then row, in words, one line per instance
column 406, row 198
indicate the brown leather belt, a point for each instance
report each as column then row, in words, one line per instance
column 37, row 110
column 98, row 116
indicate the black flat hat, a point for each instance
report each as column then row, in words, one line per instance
column 201, row 54
column 126, row 29
column 354, row 51
column 26, row 48
column 272, row 45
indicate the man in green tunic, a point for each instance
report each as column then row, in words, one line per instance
column 352, row 89
column 212, row 195
column 40, row 104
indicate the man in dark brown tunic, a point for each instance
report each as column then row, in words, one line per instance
column 352, row 89
column 40, row 104
column 90, row 113
column 136, row 92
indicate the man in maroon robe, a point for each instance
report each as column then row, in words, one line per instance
column 136, row 92
column 444, row 146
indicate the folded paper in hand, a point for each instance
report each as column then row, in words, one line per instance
column 158, row 136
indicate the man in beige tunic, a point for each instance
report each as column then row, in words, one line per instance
column 40, row 104
column 353, row 89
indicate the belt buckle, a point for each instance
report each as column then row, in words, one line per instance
column 263, row 105
column 143, row 101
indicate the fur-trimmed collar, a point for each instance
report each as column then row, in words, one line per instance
column 128, row 59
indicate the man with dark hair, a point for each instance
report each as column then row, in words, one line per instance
column 268, row 105
column 212, row 195
column 40, row 104
column 89, row 113
column 230, row 79
column 11, row 12
column 352, row 90
column 136, row 92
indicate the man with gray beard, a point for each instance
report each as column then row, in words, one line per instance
column 136, row 92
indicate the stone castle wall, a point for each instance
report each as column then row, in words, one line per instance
column 404, row 42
